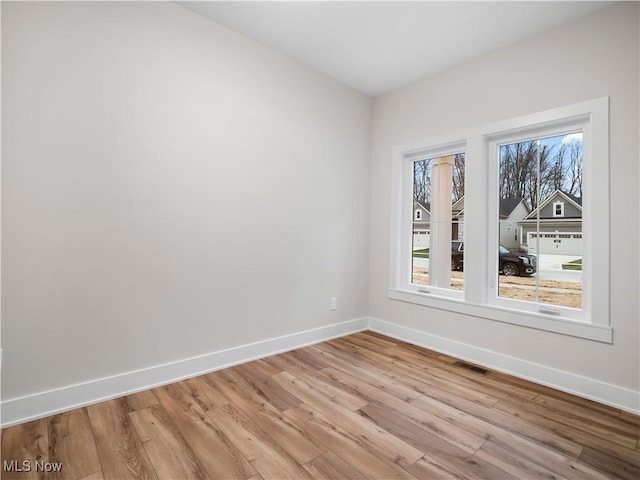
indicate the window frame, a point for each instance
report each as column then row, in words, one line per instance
column 476, row 300
column 403, row 263
column 493, row 142
column 556, row 213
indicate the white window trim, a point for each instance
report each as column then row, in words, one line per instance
column 402, row 262
column 558, row 204
column 553, row 127
column 475, row 301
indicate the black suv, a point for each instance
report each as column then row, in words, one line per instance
column 510, row 263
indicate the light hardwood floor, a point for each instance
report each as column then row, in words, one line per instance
column 364, row 406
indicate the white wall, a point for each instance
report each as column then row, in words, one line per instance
column 170, row 188
column 592, row 57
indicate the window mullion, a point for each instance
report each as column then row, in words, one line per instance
column 440, row 263
column 475, row 218
column 538, row 233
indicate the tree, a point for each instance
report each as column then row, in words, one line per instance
column 519, row 167
column 457, row 191
column 422, row 181
column 422, row 173
column 535, row 169
column 575, row 167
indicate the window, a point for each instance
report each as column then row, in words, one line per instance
column 558, row 207
column 527, row 182
column 539, row 170
column 438, row 183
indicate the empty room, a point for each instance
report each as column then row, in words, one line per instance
column 320, row 240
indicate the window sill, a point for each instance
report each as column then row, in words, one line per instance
column 599, row 333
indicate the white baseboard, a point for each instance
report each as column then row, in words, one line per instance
column 31, row 407
column 606, row 393
column 43, row 404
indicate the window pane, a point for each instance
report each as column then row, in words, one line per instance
column 438, row 182
column 457, row 222
column 540, row 220
column 422, row 175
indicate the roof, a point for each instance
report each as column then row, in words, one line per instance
column 508, row 204
column 424, row 206
column 577, row 201
column 458, row 204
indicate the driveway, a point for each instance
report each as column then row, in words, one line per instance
column 549, row 267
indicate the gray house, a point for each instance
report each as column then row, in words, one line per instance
column 421, row 225
column 457, row 219
column 512, row 211
column 555, row 227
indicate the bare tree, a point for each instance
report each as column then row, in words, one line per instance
column 533, row 170
column 457, row 191
column 422, row 172
column 566, row 172
column 556, row 174
column 519, row 171
column 575, row 167
column 422, row 181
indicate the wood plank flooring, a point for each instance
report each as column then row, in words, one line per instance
column 360, row 407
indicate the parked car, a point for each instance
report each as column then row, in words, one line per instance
column 511, row 263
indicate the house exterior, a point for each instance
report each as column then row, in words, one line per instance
column 457, row 217
column 421, row 225
column 512, row 211
column 560, row 226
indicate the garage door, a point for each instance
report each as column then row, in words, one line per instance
column 420, row 239
column 557, row 243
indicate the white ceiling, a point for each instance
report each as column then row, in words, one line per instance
column 377, row 47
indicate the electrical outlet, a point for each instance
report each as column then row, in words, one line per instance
column 334, row 303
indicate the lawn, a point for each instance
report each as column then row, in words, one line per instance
column 573, row 265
